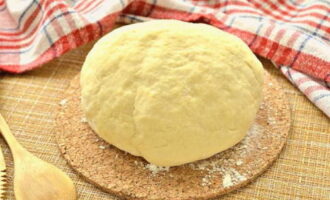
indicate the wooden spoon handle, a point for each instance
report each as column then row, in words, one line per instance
column 14, row 146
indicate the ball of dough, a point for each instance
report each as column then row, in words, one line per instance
column 170, row 91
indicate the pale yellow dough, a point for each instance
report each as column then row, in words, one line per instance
column 170, row 91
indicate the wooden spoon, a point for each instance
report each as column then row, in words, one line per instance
column 35, row 179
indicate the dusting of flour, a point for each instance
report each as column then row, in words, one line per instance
column 225, row 164
column 155, row 169
column 63, row 102
column 218, row 165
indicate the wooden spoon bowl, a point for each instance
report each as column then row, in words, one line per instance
column 35, row 179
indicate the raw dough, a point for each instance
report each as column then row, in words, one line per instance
column 170, row 91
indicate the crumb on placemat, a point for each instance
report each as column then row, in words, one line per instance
column 63, row 102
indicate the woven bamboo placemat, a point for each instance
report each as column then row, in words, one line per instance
column 302, row 171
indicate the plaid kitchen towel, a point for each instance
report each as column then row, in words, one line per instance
column 293, row 34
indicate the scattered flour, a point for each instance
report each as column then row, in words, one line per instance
column 83, row 120
column 271, row 120
column 225, row 165
column 63, row 102
column 262, row 106
column 255, row 130
column 206, row 180
column 239, row 162
column 227, row 182
column 237, row 176
column 155, row 169
column 231, row 176
column 138, row 163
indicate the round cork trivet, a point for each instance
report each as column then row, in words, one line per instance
column 131, row 177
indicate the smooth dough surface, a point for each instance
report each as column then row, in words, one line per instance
column 170, row 91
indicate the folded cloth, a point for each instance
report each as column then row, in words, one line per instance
column 293, row 34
